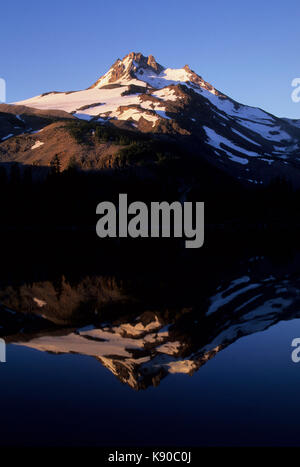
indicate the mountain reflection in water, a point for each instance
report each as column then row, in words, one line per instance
column 143, row 332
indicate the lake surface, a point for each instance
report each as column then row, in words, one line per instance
column 184, row 359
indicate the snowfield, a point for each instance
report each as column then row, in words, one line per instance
column 110, row 100
column 216, row 140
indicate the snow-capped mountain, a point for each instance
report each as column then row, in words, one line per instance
column 137, row 82
column 247, row 142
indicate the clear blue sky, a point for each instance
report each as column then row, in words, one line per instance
column 248, row 50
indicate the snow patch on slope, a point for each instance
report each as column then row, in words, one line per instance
column 38, row 144
column 7, row 137
column 216, row 140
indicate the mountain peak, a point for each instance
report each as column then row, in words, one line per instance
column 144, row 71
column 141, row 61
column 146, row 61
column 126, row 69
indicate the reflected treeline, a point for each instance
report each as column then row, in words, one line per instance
column 149, row 317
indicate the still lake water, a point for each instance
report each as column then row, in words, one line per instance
column 247, row 394
column 217, row 371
